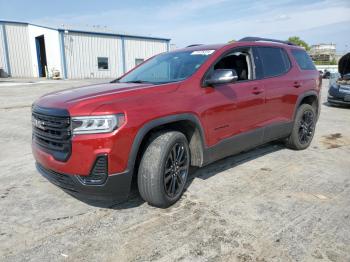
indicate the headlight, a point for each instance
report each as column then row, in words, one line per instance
column 96, row 124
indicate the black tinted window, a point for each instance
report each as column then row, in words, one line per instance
column 303, row 59
column 102, row 63
column 274, row 61
column 139, row 61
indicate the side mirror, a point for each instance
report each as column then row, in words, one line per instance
column 221, row 76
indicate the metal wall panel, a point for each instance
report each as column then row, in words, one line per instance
column 142, row 49
column 2, row 50
column 82, row 51
column 19, row 51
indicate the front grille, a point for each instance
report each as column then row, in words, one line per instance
column 52, row 132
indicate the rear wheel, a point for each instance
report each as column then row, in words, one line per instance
column 303, row 129
column 164, row 169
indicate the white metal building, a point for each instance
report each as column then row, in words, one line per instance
column 28, row 50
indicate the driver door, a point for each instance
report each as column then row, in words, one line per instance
column 235, row 111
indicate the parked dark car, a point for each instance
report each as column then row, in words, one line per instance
column 339, row 90
column 326, row 74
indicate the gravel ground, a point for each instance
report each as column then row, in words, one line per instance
column 269, row 204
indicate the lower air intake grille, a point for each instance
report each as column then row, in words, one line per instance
column 62, row 180
column 98, row 174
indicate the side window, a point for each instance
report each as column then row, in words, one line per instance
column 102, row 63
column 303, row 59
column 239, row 61
column 274, row 61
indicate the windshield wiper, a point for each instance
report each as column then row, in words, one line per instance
column 138, row 81
column 172, row 81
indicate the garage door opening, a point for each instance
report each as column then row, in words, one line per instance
column 41, row 55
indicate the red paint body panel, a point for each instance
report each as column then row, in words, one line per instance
column 223, row 111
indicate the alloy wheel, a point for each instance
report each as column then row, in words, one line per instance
column 176, row 170
column 306, row 127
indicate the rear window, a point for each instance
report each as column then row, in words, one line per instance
column 303, row 59
column 274, row 61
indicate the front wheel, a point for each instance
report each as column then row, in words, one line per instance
column 164, row 169
column 303, row 129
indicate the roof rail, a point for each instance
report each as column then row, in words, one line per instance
column 193, row 45
column 255, row 39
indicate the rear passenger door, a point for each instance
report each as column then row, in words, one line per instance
column 274, row 69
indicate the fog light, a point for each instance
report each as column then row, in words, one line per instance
column 98, row 174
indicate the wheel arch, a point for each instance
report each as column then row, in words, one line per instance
column 309, row 97
column 187, row 123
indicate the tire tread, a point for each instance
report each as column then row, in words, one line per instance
column 150, row 170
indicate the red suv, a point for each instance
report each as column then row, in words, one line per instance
column 188, row 107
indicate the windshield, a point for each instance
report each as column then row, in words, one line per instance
column 168, row 67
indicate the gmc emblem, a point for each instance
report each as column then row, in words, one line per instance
column 39, row 124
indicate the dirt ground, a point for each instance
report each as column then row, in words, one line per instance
column 269, row 204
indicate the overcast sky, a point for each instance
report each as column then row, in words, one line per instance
column 195, row 21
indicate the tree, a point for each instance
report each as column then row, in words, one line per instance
column 333, row 62
column 231, row 41
column 297, row 41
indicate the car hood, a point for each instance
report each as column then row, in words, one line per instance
column 87, row 98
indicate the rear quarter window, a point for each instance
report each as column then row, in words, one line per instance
column 274, row 61
column 303, row 60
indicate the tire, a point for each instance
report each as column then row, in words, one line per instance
column 303, row 129
column 161, row 179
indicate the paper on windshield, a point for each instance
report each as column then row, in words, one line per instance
column 202, row 52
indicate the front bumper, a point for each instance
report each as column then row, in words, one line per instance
column 85, row 150
column 55, row 147
column 338, row 101
column 337, row 97
column 116, row 187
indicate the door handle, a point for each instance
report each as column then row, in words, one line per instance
column 297, row 84
column 257, row 90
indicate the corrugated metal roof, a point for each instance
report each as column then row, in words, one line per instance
column 90, row 32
